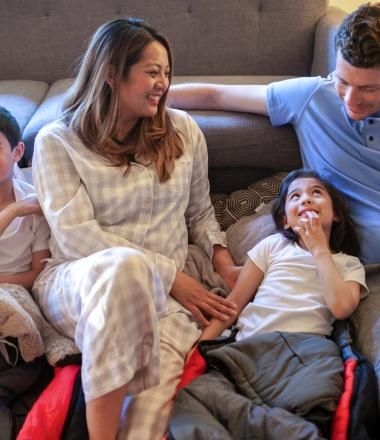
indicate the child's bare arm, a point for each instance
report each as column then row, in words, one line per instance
column 225, row 265
column 26, row 279
column 246, row 286
column 28, row 206
column 342, row 297
column 21, row 208
column 7, row 215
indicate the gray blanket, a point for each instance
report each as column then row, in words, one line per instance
column 200, row 267
column 269, row 386
column 366, row 319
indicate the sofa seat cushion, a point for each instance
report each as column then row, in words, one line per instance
column 48, row 111
column 22, row 98
column 243, row 141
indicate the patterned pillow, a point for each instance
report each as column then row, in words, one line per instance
column 242, row 203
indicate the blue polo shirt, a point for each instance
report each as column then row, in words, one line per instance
column 343, row 151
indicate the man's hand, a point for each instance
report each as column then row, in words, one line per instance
column 200, row 302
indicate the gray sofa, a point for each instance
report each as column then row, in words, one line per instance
column 226, row 41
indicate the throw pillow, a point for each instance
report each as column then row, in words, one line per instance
column 248, row 231
column 230, row 208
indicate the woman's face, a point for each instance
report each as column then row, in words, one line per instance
column 141, row 92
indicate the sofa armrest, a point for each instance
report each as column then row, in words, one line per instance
column 324, row 46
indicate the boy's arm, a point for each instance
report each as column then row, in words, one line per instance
column 7, row 215
column 20, row 208
column 26, row 279
column 246, row 286
column 240, row 98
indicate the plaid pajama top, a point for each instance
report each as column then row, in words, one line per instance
column 91, row 206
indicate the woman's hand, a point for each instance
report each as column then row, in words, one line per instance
column 199, row 301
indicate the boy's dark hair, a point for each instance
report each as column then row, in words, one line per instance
column 358, row 37
column 9, row 127
column 343, row 233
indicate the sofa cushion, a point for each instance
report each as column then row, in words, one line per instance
column 42, row 39
column 22, row 98
column 247, row 140
column 48, row 111
column 243, row 147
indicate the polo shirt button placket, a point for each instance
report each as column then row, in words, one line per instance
column 371, row 135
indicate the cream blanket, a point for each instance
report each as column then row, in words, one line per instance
column 21, row 318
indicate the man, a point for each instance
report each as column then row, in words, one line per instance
column 337, row 119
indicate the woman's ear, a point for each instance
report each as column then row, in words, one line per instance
column 336, row 218
column 18, row 151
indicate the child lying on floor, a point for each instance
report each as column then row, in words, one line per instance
column 293, row 286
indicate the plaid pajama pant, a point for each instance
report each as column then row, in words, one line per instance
column 146, row 415
column 106, row 303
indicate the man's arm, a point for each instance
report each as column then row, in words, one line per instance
column 240, row 98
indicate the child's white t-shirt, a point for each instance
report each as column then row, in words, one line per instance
column 23, row 236
column 290, row 296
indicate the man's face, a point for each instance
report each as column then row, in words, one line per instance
column 358, row 88
column 8, row 157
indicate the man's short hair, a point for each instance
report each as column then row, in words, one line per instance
column 9, row 127
column 358, row 37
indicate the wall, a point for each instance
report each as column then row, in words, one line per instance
column 347, row 5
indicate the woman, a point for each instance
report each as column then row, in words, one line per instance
column 123, row 184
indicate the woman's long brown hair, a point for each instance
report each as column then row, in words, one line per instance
column 91, row 108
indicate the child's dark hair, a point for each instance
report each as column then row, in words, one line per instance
column 343, row 233
column 9, row 127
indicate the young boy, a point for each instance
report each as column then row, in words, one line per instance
column 24, row 232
